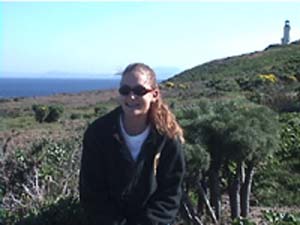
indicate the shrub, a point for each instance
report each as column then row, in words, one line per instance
column 250, row 83
column 223, row 84
column 55, row 112
column 280, row 173
column 281, row 101
column 37, row 178
column 66, row 211
column 40, row 112
column 75, row 116
column 169, row 84
column 268, row 78
column 255, row 96
column 277, row 218
column 228, row 85
column 289, row 78
column 44, row 113
column 183, row 86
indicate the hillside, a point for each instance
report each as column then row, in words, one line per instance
column 280, row 60
column 276, row 65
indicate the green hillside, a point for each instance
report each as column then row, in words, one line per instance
column 275, row 66
column 283, row 61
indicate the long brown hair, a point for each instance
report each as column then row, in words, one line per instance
column 160, row 115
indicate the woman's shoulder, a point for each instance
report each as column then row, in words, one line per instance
column 104, row 123
column 172, row 145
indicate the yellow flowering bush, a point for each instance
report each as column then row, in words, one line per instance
column 183, row 86
column 170, row 84
column 268, row 77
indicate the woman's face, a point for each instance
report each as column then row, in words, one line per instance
column 136, row 94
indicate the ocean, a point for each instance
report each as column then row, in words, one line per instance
column 29, row 87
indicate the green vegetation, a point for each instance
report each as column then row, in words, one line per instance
column 242, row 130
column 269, row 78
column 45, row 174
column 281, row 173
column 282, row 62
column 45, row 113
column 272, row 69
column 21, row 122
column 277, row 218
column 238, row 135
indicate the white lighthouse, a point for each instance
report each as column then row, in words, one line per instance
column 286, row 33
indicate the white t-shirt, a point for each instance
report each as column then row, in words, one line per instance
column 134, row 143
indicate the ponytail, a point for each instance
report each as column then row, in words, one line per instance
column 164, row 120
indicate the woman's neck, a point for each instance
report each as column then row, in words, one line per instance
column 134, row 125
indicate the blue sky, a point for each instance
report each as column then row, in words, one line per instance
column 103, row 37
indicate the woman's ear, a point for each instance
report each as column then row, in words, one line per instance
column 155, row 93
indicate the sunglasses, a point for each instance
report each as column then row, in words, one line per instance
column 138, row 90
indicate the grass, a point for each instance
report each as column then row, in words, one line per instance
column 21, row 122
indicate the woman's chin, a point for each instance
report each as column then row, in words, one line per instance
column 133, row 112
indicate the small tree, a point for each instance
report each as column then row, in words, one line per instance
column 237, row 135
column 55, row 112
column 254, row 134
column 40, row 112
column 44, row 113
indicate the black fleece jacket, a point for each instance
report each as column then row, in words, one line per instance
column 116, row 190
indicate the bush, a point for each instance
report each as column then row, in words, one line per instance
column 270, row 78
column 280, row 173
column 37, row 178
column 44, row 113
column 250, row 83
column 169, row 84
column 66, row 211
column 277, row 218
column 40, row 112
column 55, row 112
column 223, row 85
column 75, row 116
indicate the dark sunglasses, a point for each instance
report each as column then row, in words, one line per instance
column 137, row 90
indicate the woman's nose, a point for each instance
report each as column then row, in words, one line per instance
column 132, row 96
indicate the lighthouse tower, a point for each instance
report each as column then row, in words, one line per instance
column 286, row 33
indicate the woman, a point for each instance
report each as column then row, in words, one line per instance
column 132, row 165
